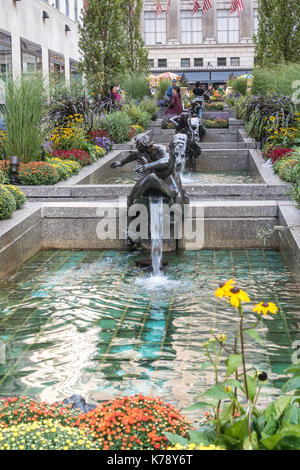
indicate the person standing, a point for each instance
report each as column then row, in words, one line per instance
column 199, row 97
column 175, row 107
column 169, row 91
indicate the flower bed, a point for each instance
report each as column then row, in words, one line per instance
column 215, row 106
column 79, row 156
column 136, row 422
column 215, row 123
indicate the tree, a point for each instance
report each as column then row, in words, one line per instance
column 136, row 51
column 278, row 37
column 110, row 42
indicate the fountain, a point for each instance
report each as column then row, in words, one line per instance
column 159, row 184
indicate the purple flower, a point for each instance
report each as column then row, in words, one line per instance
column 104, row 143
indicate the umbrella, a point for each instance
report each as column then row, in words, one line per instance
column 169, row 75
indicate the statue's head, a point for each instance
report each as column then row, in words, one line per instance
column 184, row 116
column 143, row 141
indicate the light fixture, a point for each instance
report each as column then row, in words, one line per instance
column 45, row 15
column 67, row 28
column 14, row 164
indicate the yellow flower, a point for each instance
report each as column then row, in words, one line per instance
column 236, row 296
column 221, row 337
column 265, row 307
column 224, row 288
column 227, row 388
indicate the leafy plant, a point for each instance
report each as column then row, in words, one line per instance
column 7, row 203
column 163, row 87
column 136, row 86
column 19, row 196
column 38, row 173
column 24, row 112
column 117, row 124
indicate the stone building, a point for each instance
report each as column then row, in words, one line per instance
column 205, row 46
column 39, row 35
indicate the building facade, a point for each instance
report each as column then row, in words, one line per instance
column 209, row 42
column 39, row 35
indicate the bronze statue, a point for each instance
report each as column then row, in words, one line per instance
column 156, row 166
column 184, row 125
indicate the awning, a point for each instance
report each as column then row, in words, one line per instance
column 222, row 76
column 202, row 77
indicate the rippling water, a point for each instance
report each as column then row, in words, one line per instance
column 204, row 177
column 91, row 322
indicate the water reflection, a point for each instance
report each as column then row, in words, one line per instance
column 88, row 323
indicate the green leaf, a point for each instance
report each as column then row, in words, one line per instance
column 277, row 407
column 175, row 438
column 270, row 428
column 233, row 363
column 233, row 383
column 226, row 413
column 292, row 384
column 201, row 437
column 286, row 439
column 291, row 415
column 198, row 405
column 253, row 333
column 217, row 392
column 251, row 385
column 253, row 445
column 237, row 432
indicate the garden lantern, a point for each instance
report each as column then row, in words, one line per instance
column 14, row 165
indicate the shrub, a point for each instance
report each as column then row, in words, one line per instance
column 24, row 112
column 79, row 156
column 117, row 124
column 2, row 177
column 136, row 86
column 278, row 79
column 19, row 196
column 135, row 422
column 137, row 115
column 69, row 137
column 7, row 203
column 150, row 107
column 38, row 173
column 14, row 410
column 48, row 435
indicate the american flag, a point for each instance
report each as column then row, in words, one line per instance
column 196, row 7
column 206, row 5
column 236, row 5
column 158, row 8
column 168, row 7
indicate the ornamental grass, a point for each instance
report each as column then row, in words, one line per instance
column 135, row 423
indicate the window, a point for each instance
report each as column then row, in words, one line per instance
column 234, row 61
column 221, row 61
column 255, row 21
column 151, row 63
column 31, row 56
column 155, row 28
column 5, row 56
column 67, row 8
column 56, row 65
column 75, row 10
column 162, row 62
column 185, row 62
column 198, row 62
column 227, row 27
column 57, row 4
column 75, row 75
column 190, row 27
